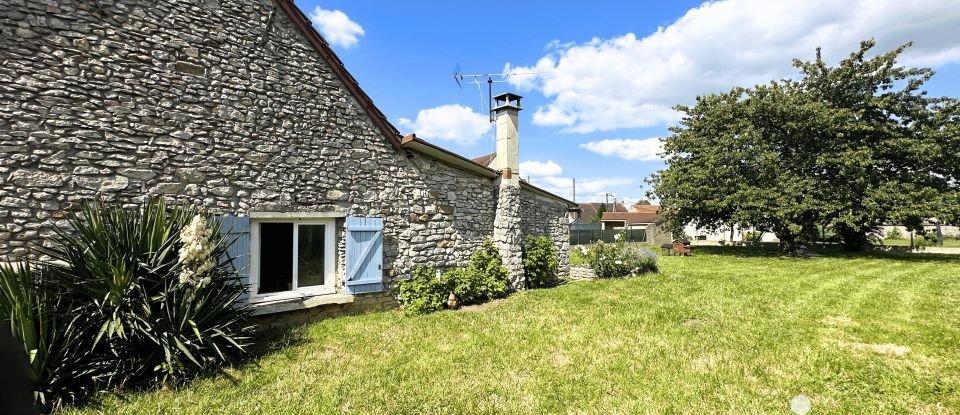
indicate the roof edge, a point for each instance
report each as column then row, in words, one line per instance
column 412, row 142
column 419, row 145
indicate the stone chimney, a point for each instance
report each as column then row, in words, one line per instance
column 507, row 234
column 507, row 161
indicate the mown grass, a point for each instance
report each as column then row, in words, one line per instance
column 726, row 331
column 949, row 242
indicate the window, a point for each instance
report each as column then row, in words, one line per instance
column 292, row 257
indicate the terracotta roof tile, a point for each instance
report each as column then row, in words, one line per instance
column 631, row 217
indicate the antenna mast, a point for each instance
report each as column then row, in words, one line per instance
column 460, row 77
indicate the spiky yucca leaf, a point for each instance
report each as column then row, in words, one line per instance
column 125, row 262
column 55, row 332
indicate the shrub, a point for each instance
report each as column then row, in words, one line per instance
column 56, row 335
column 618, row 260
column 488, row 268
column 894, row 234
column 465, row 283
column 484, row 278
column 127, row 262
column 578, row 256
column 925, row 239
column 540, row 262
column 422, row 293
column 752, row 236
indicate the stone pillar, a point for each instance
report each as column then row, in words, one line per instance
column 507, row 235
column 560, row 231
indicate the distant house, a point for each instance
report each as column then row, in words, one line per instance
column 589, row 210
column 728, row 234
column 638, row 219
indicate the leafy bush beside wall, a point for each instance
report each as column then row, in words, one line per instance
column 487, row 268
column 423, row 292
column 540, row 262
column 483, row 279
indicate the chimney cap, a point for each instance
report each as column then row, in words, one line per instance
column 507, row 100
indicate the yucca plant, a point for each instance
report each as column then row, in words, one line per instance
column 55, row 332
column 125, row 262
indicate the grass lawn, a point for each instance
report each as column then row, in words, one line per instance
column 947, row 242
column 713, row 333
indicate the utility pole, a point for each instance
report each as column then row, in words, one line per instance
column 606, row 196
column 574, row 189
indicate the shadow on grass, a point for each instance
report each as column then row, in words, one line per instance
column 264, row 344
column 769, row 250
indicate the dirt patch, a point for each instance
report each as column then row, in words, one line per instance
column 706, row 363
column 692, row 322
column 484, row 306
column 560, row 359
column 886, row 349
column 839, row 321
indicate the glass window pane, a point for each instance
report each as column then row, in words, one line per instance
column 276, row 257
column 311, row 251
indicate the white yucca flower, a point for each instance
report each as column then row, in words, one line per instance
column 196, row 254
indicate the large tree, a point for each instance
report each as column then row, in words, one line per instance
column 849, row 147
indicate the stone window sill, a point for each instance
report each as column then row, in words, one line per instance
column 294, row 304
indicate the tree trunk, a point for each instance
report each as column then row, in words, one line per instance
column 853, row 240
column 788, row 242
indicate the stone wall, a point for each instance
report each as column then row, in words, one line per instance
column 544, row 216
column 220, row 103
column 507, row 233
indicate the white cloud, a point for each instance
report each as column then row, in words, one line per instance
column 629, row 82
column 538, row 168
column 336, row 27
column 587, row 188
column 453, row 122
column 627, row 149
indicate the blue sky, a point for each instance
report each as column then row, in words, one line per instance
column 608, row 72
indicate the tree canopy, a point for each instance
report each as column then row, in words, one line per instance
column 848, row 147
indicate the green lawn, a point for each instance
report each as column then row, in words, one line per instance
column 710, row 334
column 947, row 242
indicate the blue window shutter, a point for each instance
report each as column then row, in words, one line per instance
column 237, row 231
column 364, row 255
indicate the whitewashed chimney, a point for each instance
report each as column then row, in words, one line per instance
column 507, row 232
column 507, row 108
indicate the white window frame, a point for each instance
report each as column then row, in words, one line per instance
column 330, row 255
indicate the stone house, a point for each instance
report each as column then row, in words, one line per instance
column 241, row 107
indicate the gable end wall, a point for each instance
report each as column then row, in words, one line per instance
column 209, row 102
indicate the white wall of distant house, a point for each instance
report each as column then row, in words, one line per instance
column 947, row 231
column 702, row 234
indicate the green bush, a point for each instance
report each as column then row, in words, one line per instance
column 752, row 236
column 423, row 292
column 894, row 234
column 465, row 283
column 927, row 238
column 158, row 326
column 130, row 297
column 487, row 266
column 579, row 257
column 484, row 278
column 619, row 260
column 56, row 334
column 540, row 262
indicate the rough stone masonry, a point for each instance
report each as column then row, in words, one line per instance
column 221, row 103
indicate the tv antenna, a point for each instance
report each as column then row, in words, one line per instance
column 492, row 78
